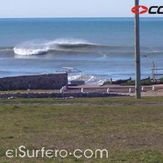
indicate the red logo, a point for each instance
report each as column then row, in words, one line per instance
column 139, row 9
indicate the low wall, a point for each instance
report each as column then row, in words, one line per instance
column 47, row 81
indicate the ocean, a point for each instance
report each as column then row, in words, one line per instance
column 90, row 49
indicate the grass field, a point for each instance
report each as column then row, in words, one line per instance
column 131, row 130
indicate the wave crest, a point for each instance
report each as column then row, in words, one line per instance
column 37, row 47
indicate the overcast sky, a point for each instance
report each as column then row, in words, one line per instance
column 69, row 8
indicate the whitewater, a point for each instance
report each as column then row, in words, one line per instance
column 36, row 47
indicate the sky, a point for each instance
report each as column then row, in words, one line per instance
column 69, row 8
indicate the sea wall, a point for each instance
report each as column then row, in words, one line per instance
column 46, row 81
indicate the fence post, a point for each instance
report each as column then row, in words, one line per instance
column 130, row 90
column 108, row 90
column 142, row 89
column 153, row 88
column 61, row 90
column 82, row 90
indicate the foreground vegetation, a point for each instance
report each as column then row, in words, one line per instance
column 131, row 130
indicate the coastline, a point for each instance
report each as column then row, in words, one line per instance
column 56, row 86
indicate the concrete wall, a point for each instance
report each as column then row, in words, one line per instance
column 47, row 81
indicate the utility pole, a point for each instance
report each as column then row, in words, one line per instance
column 137, row 55
column 154, row 71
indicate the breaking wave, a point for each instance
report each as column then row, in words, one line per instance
column 37, row 47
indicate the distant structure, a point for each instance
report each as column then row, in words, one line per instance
column 154, row 71
column 35, row 82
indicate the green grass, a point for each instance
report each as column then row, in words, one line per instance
column 131, row 130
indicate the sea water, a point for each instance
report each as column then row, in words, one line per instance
column 90, row 49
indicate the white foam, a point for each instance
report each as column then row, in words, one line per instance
column 74, row 77
column 25, row 51
column 89, row 79
column 37, row 47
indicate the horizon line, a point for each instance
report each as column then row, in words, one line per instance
column 100, row 17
